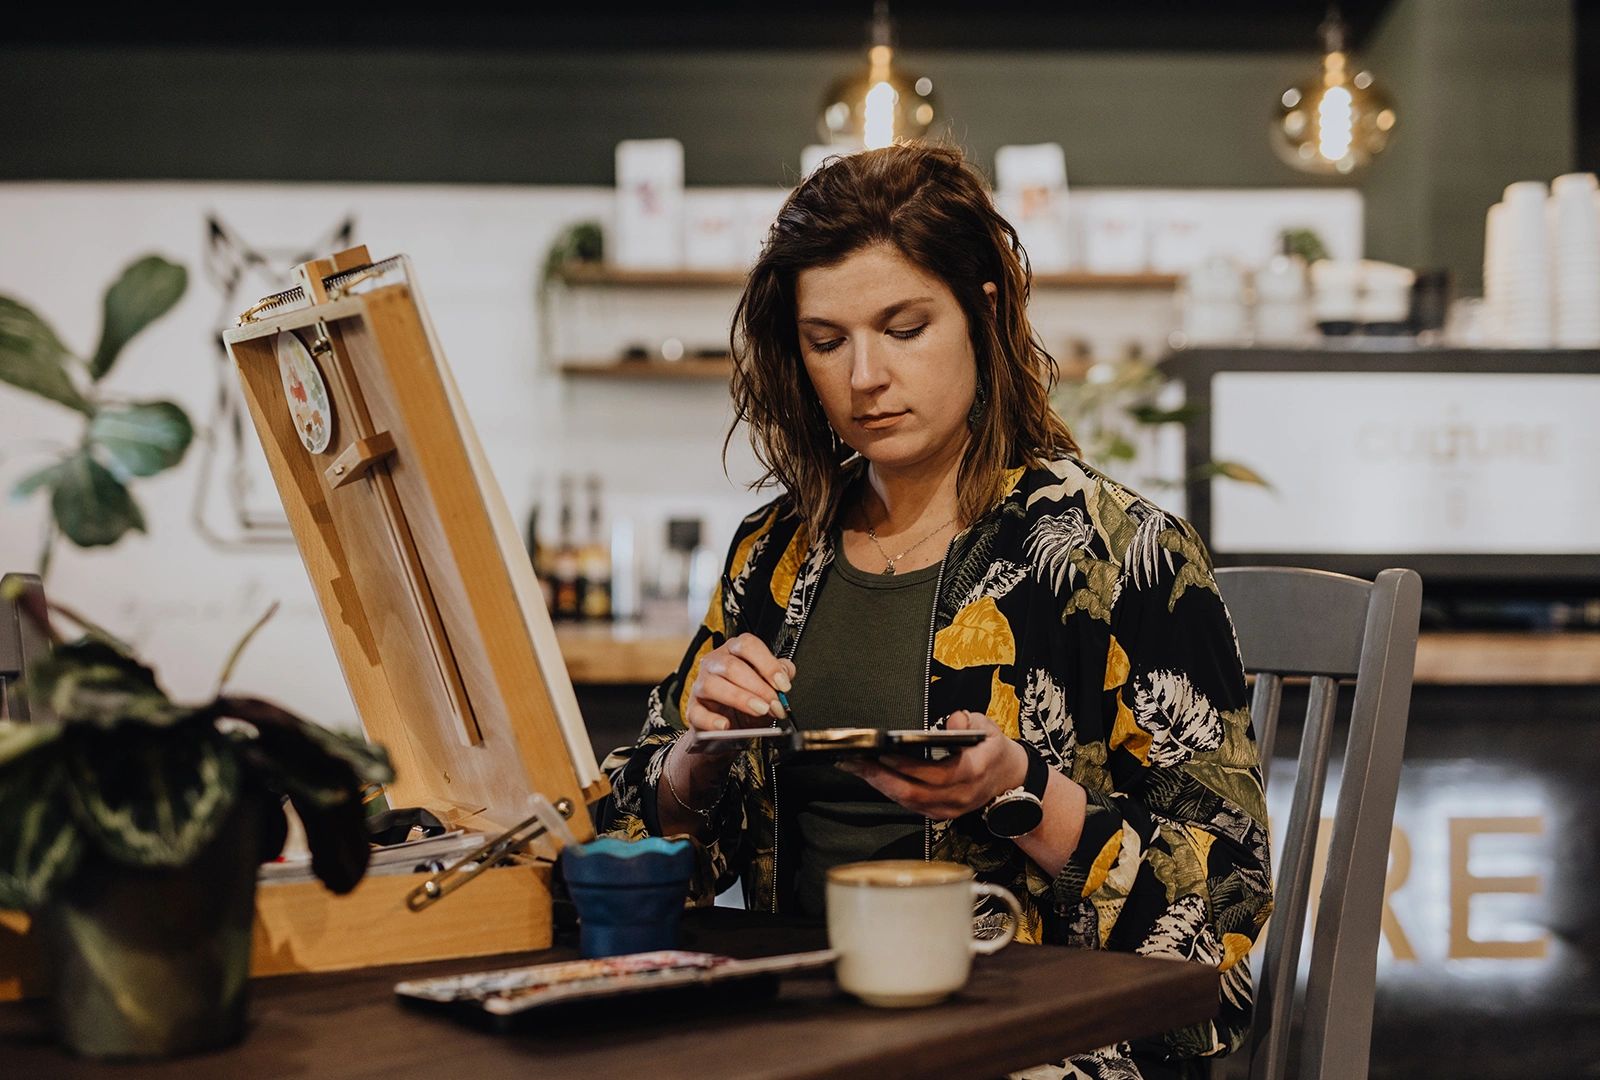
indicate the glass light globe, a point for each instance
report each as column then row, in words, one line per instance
column 1335, row 123
column 875, row 107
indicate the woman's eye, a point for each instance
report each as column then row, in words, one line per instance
column 824, row 346
column 907, row 335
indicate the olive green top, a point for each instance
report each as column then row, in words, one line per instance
column 861, row 662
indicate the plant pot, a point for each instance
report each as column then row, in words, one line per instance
column 154, row 963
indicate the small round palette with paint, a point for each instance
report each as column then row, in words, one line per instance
column 305, row 392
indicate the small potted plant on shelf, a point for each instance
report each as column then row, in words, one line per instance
column 131, row 827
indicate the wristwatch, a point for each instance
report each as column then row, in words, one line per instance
column 1019, row 811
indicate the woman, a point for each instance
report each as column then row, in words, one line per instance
column 939, row 558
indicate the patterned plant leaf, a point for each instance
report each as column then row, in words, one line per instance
column 308, row 762
column 147, row 290
column 32, row 358
column 39, row 841
column 144, row 438
column 18, row 740
column 153, row 796
column 89, row 681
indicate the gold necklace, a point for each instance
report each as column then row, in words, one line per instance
column 888, row 563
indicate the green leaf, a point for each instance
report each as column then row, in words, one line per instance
column 40, row 843
column 153, row 796
column 142, row 439
column 32, row 358
column 1231, row 470
column 1150, row 414
column 322, row 772
column 45, row 477
column 92, row 682
column 18, row 740
column 146, row 291
column 91, row 506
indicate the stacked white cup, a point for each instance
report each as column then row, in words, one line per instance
column 1517, row 268
column 1574, row 222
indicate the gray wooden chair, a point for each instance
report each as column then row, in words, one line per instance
column 1296, row 623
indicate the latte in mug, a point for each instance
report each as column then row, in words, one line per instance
column 903, row 928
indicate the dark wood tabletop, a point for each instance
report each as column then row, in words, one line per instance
column 1026, row 1005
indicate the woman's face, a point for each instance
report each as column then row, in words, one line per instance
column 888, row 350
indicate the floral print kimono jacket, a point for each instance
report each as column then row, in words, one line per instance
column 1084, row 619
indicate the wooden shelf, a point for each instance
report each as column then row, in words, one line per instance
column 688, row 369
column 646, row 654
column 602, row 274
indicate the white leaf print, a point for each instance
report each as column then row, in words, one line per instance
column 1182, row 933
column 1142, row 561
column 1044, row 720
column 1001, row 578
column 1180, row 720
column 1052, row 542
column 736, row 586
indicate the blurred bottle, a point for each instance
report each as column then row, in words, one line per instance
column 594, row 562
column 565, row 570
column 538, row 554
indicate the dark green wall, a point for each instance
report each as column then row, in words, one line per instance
column 1174, row 119
column 1485, row 93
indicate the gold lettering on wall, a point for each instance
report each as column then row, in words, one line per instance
column 1399, row 871
column 1464, row 885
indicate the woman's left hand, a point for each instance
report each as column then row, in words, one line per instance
column 947, row 789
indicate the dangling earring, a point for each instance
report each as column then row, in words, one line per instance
column 980, row 401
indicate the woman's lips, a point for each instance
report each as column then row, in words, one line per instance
column 878, row 421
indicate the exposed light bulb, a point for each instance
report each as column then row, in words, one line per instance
column 879, row 104
column 1338, row 121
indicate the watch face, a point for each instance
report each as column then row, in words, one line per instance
column 1015, row 816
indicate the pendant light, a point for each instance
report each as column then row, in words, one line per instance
column 1338, row 121
column 879, row 104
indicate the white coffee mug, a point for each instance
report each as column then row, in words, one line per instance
column 903, row 929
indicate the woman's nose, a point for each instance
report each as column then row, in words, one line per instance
column 868, row 371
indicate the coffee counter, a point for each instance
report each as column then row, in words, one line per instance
column 635, row 654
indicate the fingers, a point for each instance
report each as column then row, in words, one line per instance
column 754, row 652
column 914, row 795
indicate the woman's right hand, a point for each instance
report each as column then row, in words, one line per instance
column 738, row 686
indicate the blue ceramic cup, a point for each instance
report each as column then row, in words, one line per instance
column 629, row 895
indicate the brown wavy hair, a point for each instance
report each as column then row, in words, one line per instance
column 934, row 208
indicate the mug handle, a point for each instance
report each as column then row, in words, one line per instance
column 989, row 948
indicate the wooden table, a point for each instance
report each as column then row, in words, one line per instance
column 1024, row 1006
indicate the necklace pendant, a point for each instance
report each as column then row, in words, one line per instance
column 888, row 567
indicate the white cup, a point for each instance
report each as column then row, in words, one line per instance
column 903, row 929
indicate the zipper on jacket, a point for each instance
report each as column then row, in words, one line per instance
column 927, row 685
column 772, row 765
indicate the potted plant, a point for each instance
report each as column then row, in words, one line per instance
column 131, row 827
column 120, row 440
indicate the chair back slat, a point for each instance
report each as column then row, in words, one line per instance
column 1265, row 702
column 1344, row 954
column 1292, row 890
column 1297, row 622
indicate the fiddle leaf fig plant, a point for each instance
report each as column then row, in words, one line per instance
column 113, row 770
column 88, row 482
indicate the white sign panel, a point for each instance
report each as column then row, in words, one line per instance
column 1404, row 462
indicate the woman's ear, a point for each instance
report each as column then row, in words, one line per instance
column 992, row 291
